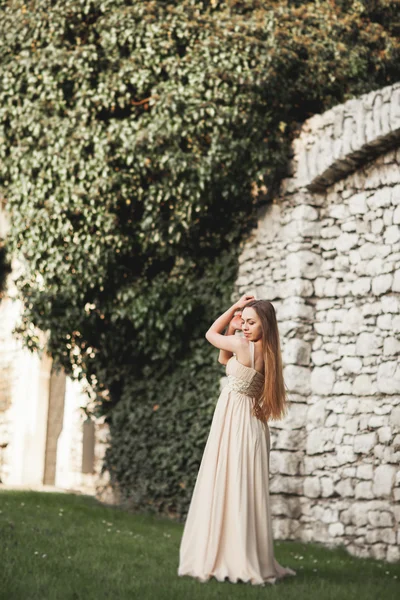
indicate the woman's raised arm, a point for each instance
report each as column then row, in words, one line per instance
column 226, row 342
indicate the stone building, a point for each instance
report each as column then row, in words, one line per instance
column 45, row 436
column 326, row 253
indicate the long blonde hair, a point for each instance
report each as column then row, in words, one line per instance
column 272, row 402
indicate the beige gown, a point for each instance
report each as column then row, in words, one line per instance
column 228, row 530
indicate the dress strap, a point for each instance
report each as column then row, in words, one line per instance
column 252, row 353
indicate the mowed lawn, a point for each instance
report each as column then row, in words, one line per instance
column 69, row 547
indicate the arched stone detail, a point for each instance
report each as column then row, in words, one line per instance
column 343, row 139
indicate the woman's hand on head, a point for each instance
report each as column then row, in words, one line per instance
column 236, row 322
column 245, row 299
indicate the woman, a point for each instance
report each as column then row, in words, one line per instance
column 228, row 529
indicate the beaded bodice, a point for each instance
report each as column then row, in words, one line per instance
column 242, row 379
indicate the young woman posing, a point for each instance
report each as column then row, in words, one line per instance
column 228, row 531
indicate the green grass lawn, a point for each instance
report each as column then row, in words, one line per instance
column 69, row 547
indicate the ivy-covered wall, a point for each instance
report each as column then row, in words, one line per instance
column 137, row 140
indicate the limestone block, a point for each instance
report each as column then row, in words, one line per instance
column 339, row 435
column 281, row 484
column 336, row 529
column 351, row 226
column 363, row 489
column 377, row 421
column 285, row 506
column 312, row 463
column 396, row 281
column 286, row 463
column 326, row 486
column 390, row 304
column 361, row 286
column 336, row 314
column 377, row 266
column 380, row 199
column 346, row 241
column 352, row 405
column 330, row 231
column 310, row 229
column 384, row 435
column 351, row 425
column 337, row 211
column 363, row 386
column 391, row 345
column 312, row 487
column 318, row 440
column 320, row 357
column 297, row 287
column 393, row 553
column 364, row 442
column 305, row 212
column 359, row 514
column 351, row 364
column 345, row 488
column 380, row 518
column 382, row 284
column 331, row 420
column 384, row 322
column 295, row 307
column 322, row 380
column 388, row 377
column 297, row 352
column 383, row 480
column 395, row 195
column 388, row 221
column 342, row 387
column 345, row 454
column 319, row 286
column 296, row 417
column 292, row 231
column 325, row 329
column 382, row 409
column 306, row 263
column 376, row 226
column 345, row 518
column 381, row 535
column 290, row 440
column 392, row 234
column 297, row 379
column 316, row 413
column 328, row 244
column 367, row 344
column 365, row 252
column 365, row 471
column 394, row 418
column 357, row 204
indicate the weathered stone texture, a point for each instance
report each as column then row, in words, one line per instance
column 328, row 249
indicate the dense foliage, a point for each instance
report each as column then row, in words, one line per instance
column 137, row 138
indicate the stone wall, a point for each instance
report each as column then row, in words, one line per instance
column 326, row 253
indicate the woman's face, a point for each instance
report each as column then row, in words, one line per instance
column 251, row 324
